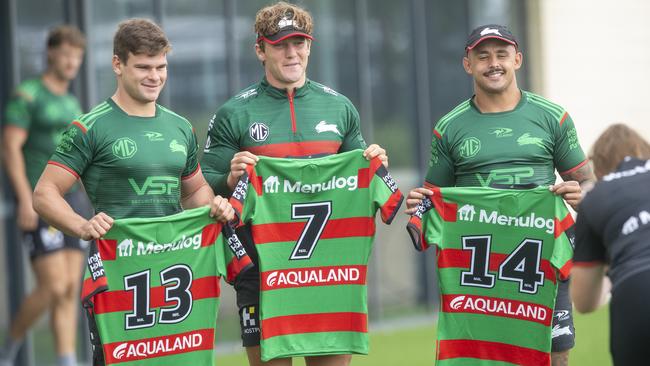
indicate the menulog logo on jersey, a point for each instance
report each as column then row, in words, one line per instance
column 272, row 185
column 160, row 346
column 130, row 247
column 314, row 276
column 497, row 307
column 468, row 213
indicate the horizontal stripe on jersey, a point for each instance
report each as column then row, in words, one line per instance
column 491, row 351
column 314, row 323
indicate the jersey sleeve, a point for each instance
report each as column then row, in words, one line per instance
column 232, row 258
column 568, row 154
column 94, row 278
column 562, row 249
column 589, row 244
column 221, row 145
column 424, row 226
column 244, row 196
column 18, row 109
column 352, row 139
column 441, row 167
column 386, row 196
column 74, row 152
column 192, row 163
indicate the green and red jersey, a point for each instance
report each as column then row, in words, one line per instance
column 45, row 116
column 522, row 146
column 313, row 223
column 313, row 121
column 130, row 166
column 152, row 288
column 500, row 253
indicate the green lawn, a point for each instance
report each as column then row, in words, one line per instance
column 415, row 347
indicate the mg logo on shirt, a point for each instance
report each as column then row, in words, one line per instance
column 124, row 148
column 469, row 147
column 259, row 131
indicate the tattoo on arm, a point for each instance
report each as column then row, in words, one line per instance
column 582, row 175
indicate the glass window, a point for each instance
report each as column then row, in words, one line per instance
column 31, row 34
column 197, row 82
column 333, row 57
column 102, row 24
column 391, row 68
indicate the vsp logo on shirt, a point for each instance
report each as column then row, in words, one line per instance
column 272, row 184
column 469, row 213
column 154, row 185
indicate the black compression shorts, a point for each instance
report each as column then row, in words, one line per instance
column 46, row 239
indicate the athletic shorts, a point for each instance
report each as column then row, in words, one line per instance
column 628, row 320
column 46, row 239
column 247, row 287
column 248, row 300
column 563, row 332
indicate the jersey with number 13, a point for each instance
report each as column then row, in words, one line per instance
column 152, row 288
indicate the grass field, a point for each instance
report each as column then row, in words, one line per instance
column 415, row 346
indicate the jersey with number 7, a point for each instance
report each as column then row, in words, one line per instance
column 313, row 223
column 499, row 253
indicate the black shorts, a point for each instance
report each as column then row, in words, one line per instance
column 46, row 239
column 563, row 333
column 247, row 286
column 248, row 300
column 628, row 321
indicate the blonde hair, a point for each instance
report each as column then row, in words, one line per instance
column 267, row 18
column 613, row 145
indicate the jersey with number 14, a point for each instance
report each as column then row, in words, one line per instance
column 313, row 223
column 152, row 288
column 499, row 254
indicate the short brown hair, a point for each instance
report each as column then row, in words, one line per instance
column 65, row 34
column 268, row 18
column 139, row 36
column 613, row 145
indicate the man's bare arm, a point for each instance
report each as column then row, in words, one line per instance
column 575, row 184
column 196, row 192
column 53, row 208
column 583, row 175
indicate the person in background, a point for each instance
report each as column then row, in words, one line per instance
column 36, row 117
column 613, row 239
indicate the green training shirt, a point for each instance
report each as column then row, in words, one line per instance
column 45, row 116
column 130, row 166
column 265, row 120
column 313, row 223
column 152, row 288
column 522, row 146
column 499, row 254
